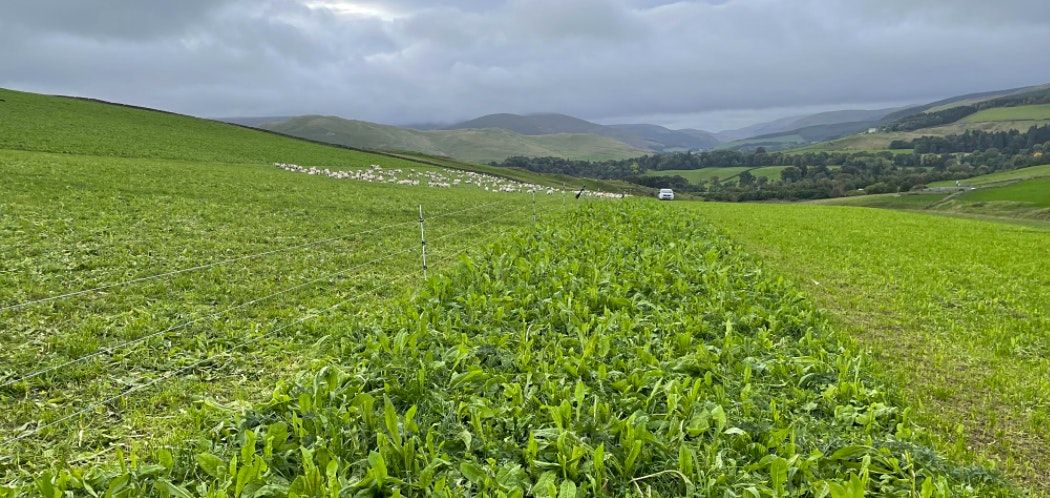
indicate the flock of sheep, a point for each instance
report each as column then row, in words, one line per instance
column 438, row 179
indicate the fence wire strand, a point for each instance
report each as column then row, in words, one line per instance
column 248, row 340
column 217, row 314
column 159, row 276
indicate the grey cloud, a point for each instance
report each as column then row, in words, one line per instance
column 687, row 63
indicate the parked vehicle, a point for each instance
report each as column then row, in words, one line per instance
column 665, row 194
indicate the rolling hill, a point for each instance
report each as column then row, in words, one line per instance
column 793, row 123
column 830, row 126
column 475, row 145
column 649, row 137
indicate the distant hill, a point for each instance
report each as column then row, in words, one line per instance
column 794, row 123
column 256, row 121
column 1004, row 110
column 948, row 103
column 648, row 137
column 477, row 145
column 851, row 126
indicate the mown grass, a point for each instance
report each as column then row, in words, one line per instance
column 74, row 222
column 1038, row 112
column 954, row 312
column 628, row 349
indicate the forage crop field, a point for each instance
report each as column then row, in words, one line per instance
column 955, row 312
column 626, row 348
column 157, row 271
column 275, row 247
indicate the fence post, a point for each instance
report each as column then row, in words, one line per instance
column 423, row 240
column 534, row 219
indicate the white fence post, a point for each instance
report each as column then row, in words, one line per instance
column 423, row 239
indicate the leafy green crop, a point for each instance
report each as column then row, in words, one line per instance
column 626, row 349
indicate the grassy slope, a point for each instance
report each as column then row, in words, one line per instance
column 881, row 140
column 723, row 174
column 954, row 310
column 1034, row 192
column 888, row 201
column 58, row 124
column 495, row 145
column 695, row 175
column 134, row 193
column 770, row 172
column 1022, row 194
column 474, row 145
column 1019, row 113
column 1000, row 177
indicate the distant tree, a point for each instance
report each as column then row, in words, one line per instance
column 746, row 179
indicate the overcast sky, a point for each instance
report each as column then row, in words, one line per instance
column 711, row 64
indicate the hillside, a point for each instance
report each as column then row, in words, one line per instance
column 648, row 137
column 1022, row 194
column 1014, row 109
column 95, row 128
column 848, row 129
column 472, row 145
column 788, row 125
column 81, row 126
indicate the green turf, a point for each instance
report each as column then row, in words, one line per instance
column 1034, row 192
column 955, row 312
column 1039, row 112
column 999, row 177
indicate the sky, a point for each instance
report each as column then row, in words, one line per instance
column 708, row 64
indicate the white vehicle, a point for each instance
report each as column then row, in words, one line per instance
column 665, row 194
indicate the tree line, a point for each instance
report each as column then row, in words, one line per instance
column 820, row 174
column 952, row 114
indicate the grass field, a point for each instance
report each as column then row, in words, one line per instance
column 1000, row 177
column 770, row 172
column 888, row 201
column 881, row 141
column 704, row 174
column 476, row 145
column 1022, row 195
column 954, row 311
column 1034, row 192
column 1040, row 112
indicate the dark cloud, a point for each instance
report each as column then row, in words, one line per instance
column 713, row 64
